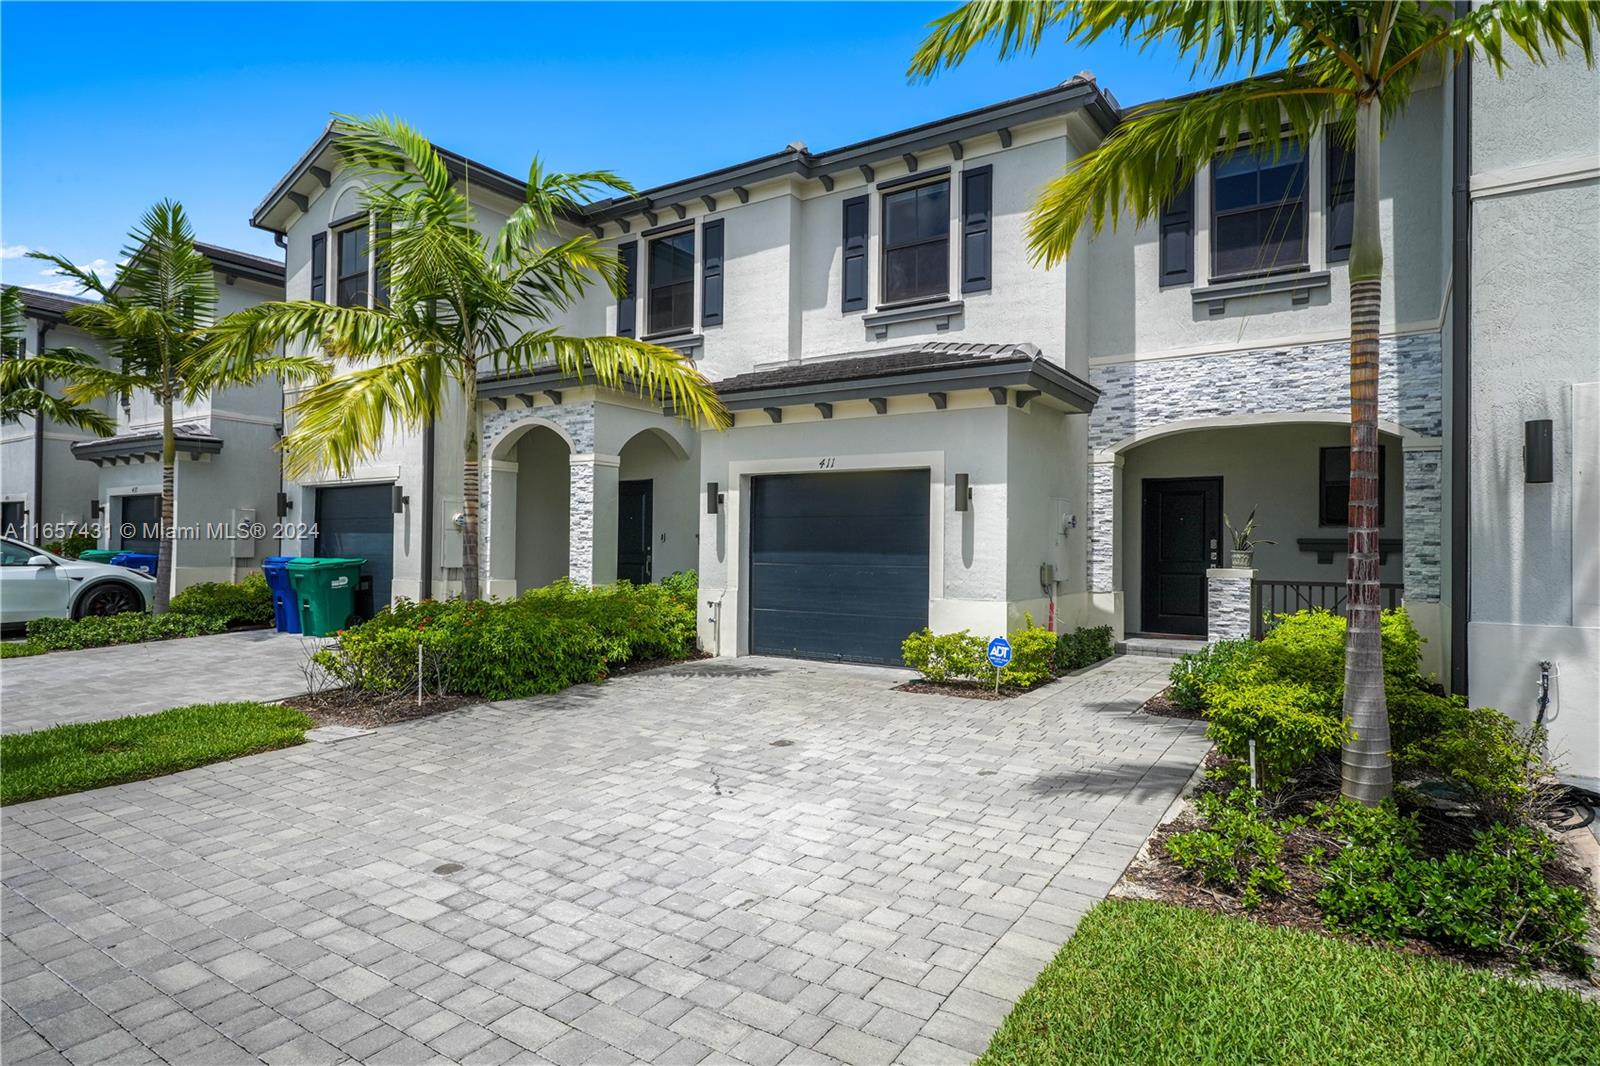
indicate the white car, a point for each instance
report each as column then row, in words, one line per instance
column 35, row 583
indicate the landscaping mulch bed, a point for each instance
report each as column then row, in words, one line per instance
column 656, row 664
column 965, row 691
column 1154, row 875
column 369, row 710
column 1161, row 704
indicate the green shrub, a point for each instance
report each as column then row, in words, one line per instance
column 72, row 547
column 945, row 657
column 1497, row 765
column 1290, row 723
column 1083, row 647
column 132, row 627
column 543, row 641
column 1239, row 847
column 1198, row 669
column 683, row 585
column 1033, row 656
column 248, row 603
column 1491, row 898
column 953, row 658
column 19, row 649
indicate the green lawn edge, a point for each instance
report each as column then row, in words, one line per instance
column 1158, row 983
column 86, row 755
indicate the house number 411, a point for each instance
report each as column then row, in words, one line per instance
column 826, row 464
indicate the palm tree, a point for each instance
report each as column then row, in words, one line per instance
column 457, row 305
column 1348, row 66
column 24, row 391
column 153, row 318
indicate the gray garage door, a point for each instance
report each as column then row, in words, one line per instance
column 357, row 521
column 838, row 564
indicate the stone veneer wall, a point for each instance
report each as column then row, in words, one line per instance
column 1228, row 603
column 1141, row 396
column 577, row 421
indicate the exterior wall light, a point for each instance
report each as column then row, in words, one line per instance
column 398, row 498
column 963, row 492
column 713, row 498
column 1538, row 463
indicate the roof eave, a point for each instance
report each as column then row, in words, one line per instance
column 1043, row 377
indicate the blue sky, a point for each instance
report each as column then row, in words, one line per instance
column 107, row 108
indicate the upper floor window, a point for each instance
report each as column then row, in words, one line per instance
column 916, row 242
column 1341, row 195
column 1258, row 209
column 669, row 275
column 354, row 267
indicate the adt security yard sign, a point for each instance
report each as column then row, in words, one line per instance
column 999, row 658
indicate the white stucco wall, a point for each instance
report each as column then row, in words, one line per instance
column 1535, row 336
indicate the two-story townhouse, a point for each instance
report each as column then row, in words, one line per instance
column 908, row 437
column 227, row 476
column 44, row 492
column 227, row 473
column 1220, row 345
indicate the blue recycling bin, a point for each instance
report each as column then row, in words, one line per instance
column 145, row 561
column 285, row 606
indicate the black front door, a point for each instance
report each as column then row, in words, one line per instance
column 357, row 522
column 140, row 528
column 1182, row 539
column 635, row 530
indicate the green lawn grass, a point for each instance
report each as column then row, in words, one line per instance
column 85, row 755
column 1156, row 983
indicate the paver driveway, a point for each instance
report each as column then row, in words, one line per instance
column 757, row 861
column 83, row 686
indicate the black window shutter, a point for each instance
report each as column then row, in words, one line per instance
column 1177, row 237
column 711, row 273
column 626, row 306
column 1341, row 214
column 380, row 267
column 977, row 229
column 855, row 254
column 319, row 266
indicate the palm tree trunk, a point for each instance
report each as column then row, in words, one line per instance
column 164, row 544
column 469, row 486
column 1367, row 767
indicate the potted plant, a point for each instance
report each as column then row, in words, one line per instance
column 1244, row 541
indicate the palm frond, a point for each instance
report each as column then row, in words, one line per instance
column 255, row 332
column 343, row 420
column 13, row 319
column 1158, row 149
column 659, row 373
column 25, row 388
column 88, row 280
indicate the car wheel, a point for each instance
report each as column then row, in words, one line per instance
column 110, row 598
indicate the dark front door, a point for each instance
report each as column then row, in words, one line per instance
column 357, row 522
column 140, row 528
column 1182, row 539
column 838, row 564
column 635, row 530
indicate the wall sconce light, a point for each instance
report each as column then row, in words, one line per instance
column 1538, row 450
column 95, row 510
column 713, row 498
column 963, row 492
column 398, row 498
column 285, row 505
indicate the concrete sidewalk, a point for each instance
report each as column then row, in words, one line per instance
column 85, row 686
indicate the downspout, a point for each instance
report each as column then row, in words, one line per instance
column 38, row 458
column 425, row 591
column 1460, row 369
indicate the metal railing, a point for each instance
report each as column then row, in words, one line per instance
column 1268, row 599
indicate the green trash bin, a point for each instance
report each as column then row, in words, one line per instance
column 326, row 592
column 98, row 555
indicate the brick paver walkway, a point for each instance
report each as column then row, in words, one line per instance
column 755, row 861
column 85, row 686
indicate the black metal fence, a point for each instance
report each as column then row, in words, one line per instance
column 1268, row 599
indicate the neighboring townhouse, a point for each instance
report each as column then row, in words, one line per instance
column 1528, row 324
column 228, row 469
column 41, row 484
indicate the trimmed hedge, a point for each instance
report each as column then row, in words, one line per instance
column 1037, row 655
column 543, row 641
column 249, row 603
column 132, row 627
